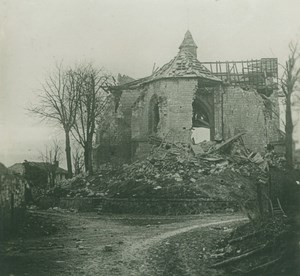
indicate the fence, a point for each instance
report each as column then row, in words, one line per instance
column 141, row 205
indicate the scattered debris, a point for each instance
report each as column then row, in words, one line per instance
column 215, row 170
column 197, row 149
column 108, row 248
column 260, row 248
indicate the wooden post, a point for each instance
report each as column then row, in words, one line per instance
column 12, row 211
column 259, row 200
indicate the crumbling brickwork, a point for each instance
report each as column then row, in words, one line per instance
column 247, row 111
column 231, row 110
column 113, row 138
column 175, row 97
column 175, row 110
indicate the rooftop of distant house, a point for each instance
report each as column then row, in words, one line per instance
column 17, row 167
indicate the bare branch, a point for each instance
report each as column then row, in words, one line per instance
column 289, row 82
column 89, row 84
column 59, row 103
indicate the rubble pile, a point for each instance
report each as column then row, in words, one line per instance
column 209, row 170
column 261, row 248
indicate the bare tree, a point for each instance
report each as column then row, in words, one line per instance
column 58, row 103
column 289, row 83
column 93, row 99
column 51, row 157
column 78, row 160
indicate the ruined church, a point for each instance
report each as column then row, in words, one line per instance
column 185, row 95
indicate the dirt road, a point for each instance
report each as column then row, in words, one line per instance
column 91, row 244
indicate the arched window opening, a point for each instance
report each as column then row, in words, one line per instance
column 156, row 117
column 153, row 115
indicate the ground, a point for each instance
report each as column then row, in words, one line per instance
column 63, row 243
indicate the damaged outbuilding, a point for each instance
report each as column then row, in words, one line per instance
column 185, row 102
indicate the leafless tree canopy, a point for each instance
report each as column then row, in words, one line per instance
column 75, row 98
column 59, row 101
column 92, row 90
column 289, row 83
column 78, row 160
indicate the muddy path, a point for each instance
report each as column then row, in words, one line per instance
column 91, row 244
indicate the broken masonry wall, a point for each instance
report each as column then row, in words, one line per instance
column 125, row 107
column 113, row 137
column 12, row 202
column 231, row 110
column 174, row 98
column 142, row 118
column 272, row 117
column 246, row 111
column 182, row 93
column 106, row 127
column 117, row 154
column 150, row 95
column 140, row 149
column 115, row 126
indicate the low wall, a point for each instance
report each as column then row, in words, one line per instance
column 12, row 202
column 167, row 206
column 82, row 204
column 140, row 206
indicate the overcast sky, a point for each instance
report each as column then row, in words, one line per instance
column 126, row 36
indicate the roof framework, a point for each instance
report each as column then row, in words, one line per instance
column 259, row 73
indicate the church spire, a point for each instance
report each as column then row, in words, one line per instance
column 188, row 44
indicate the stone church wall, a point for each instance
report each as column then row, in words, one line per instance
column 234, row 110
column 246, row 110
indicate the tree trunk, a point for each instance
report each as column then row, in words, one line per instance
column 90, row 157
column 86, row 157
column 88, row 160
column 289, row 134
column 68, row 154
column 76, row 167
column 52, row 177
column 90, row 146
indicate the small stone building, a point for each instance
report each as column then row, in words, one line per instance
column 186, row 95
column 39, row 175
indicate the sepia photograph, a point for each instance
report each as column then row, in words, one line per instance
column 150, row 137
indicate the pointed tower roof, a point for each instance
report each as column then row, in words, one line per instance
column 185, row 64
column 188, row 41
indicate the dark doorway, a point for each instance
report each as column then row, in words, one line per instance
column 201, row 122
